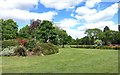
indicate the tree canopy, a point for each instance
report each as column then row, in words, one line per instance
column 9, row 29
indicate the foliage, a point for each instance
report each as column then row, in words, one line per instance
column 46, row 32
column 63, row 38
column 98, row 42
column 6, row 43
column 119, row 28
column 37, row 50
column 20, row 51
column 34, row 24
column 48, row 48
column 107, row 37
column 9, row 51
column 93, row 33
column 25, row 32
column 22, row 42
column 31, row 44
column 96, row 47
column 9, row 29
column 106, row 29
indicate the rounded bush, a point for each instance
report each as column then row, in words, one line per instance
column 48, row 48
column 20, row 51
column 37, row 50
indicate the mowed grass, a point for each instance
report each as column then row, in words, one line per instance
column 68, row 60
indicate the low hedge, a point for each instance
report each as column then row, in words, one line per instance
column 96, row 47
column 7, row 43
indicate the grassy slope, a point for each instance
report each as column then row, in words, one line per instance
column 67, row 60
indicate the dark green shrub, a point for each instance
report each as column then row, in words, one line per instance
column 48, row 48
column 30, row 45
column 6, row 43
column 20, row 51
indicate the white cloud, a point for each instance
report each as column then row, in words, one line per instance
column 17, row 4
column 68, row 23
column 60, row 4
column 99, row 25
column 72, row 15
column 85, row 11
column 17, row 14
column 105, row 14
column 75, row 33
column 19, row 10
column 92, row 3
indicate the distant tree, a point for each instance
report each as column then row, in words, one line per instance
column 93, row 34
column 77, row 41
column 69, row 40
column 9, row 29
column 98, row 42
column 63, row 37
column 110, row 37
column 106, row 29
column 119, row 28
column 85, row 41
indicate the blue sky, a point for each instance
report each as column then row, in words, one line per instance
column 74, row 16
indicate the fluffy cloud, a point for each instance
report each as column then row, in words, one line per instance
column 83, row 12
column 68, row 23
column 99, row 25
column 22, row 15
column 17, row 4
column 75, row 33
column 60, row 4
column 19, row 10
column 106, row 14
column 92, row 3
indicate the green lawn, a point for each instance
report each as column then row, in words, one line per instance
column 68, row 60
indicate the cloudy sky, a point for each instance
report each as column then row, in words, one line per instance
column 74, row 16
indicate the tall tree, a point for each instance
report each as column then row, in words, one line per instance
column 9, row 29
column 25, row 32
column 46, row 31
column 106, row 29
column 33, row 26
column 63, row 37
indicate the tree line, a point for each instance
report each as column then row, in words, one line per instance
column 45, row 31
column 97, row 36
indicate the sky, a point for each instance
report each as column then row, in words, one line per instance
column 74, row 16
